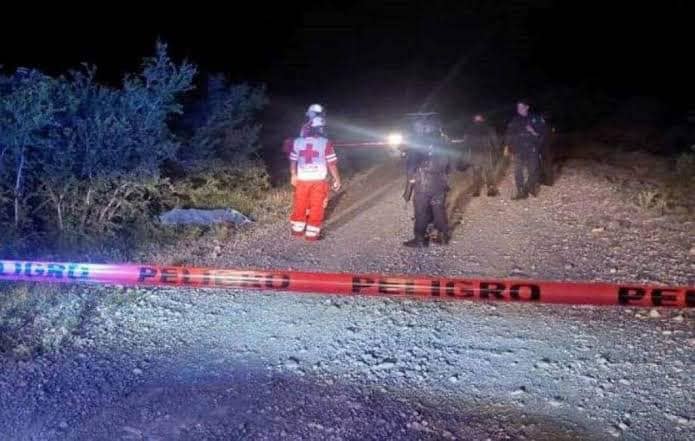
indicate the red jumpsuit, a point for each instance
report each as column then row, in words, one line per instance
column 312, row 155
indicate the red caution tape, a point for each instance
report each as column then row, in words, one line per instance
column 353, row 284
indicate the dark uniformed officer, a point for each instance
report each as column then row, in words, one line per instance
column 482, row 147
column 524, row 136
column 427, row 167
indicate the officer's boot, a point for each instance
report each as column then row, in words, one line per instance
column 477, row 183
column 417, row 242
column 443, row 238
column 476, row 188
column 521, row 193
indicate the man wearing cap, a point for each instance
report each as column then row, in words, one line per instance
column 524, row 136
column 311, row 160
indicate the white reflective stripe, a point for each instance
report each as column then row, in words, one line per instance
column 298, row 226
column 293, row 156
column 311, row 234
column 312, row 230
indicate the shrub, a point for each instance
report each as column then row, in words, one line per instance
column 223, row 123
column 79, row 160
column 215, row 185
column 72, row 150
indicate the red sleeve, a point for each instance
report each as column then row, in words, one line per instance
column 330, row 153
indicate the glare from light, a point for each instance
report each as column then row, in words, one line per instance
column 395, row 139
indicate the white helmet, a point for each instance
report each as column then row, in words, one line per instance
column 314, row 109
column 318, row 121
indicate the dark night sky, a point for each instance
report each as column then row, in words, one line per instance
column 384, row 55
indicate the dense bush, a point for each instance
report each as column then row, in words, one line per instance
column 79, row 158
column 219, row 185
column 222, row 122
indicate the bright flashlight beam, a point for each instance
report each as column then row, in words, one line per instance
column 395, row 139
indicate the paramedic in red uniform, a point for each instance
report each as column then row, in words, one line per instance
column 311, row 159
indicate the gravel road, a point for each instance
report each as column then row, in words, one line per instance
column 162, row 364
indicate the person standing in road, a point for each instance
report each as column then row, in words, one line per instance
column 482, row 147
column 311, row 160
column 524, row 136
column 427, row 166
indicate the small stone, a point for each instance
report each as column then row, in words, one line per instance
column 132, row 431
column 683, row 421
column 692, row 251
column 625, row 382
column 597, row 230
column 292, row 363
column 520, row 391
column 614, row 432
column 416, row 426
column 448, row 435
column 568, row 267
column 613, row 271
column 385, row 365
column 667, row 332
column 691, row 342
column 137, row 371
column 542, row 365
column 63, row 425
column 454, row 379
column 678, row 318
column 623, row 426
column 554, row 403
column 654, row 313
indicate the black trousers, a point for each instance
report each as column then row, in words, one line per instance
column 527, row 161
column 547, row 174
column 483, row 175
column 430, row 206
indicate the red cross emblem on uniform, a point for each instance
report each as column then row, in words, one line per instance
column 309, row 154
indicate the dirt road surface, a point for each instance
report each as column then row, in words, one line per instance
column 162, row 364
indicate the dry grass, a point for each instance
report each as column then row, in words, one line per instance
column 39, row 318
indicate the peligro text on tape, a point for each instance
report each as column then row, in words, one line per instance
column 353, row 284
